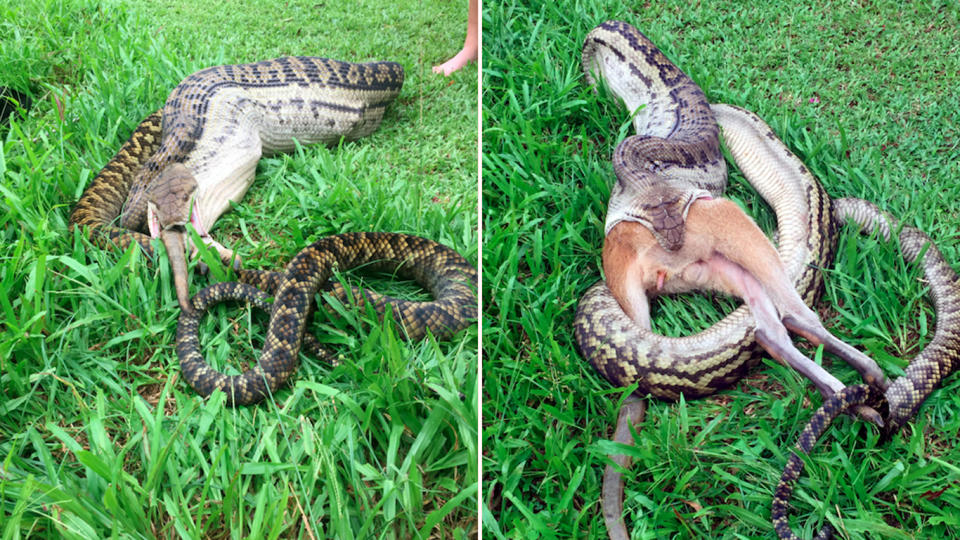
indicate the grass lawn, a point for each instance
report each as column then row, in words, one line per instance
column 98, row 435
column 865, row 93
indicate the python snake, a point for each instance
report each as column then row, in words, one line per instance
column 937, row 360
column 217, row 123
column 441, row 270
column 199, row 153
column 819, row 422
column 100, row 205
column 637, row 73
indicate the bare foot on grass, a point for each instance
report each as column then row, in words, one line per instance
column 470, row 45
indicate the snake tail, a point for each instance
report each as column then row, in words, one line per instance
column 445, row 273
column 942, row 355
column 821, row 420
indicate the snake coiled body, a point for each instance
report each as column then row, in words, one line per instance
column 675, row 156
column 925, row 372
column 671, row 155
column 821, row 420
column 703, row 363
column 219, row 121
column 212, row 130
column 101, row 203
column 807, row 221
column 941, row 356
column 445, row 273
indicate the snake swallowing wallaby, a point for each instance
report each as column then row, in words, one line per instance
column 667, row 231
column 187, row 162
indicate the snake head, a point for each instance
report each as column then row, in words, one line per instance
column 654, row 188
column 665, row 219
column 170, row 200
column 661, row 209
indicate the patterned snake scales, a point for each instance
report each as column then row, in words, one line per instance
column 215, row 126
column 683, row 150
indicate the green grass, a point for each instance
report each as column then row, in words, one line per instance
column 865, row 94
column 99, row 436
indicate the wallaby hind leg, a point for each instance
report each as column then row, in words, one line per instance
column 771, row 333
column 720, row 223
column 724, row 250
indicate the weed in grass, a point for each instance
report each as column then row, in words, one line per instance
column 863, row 95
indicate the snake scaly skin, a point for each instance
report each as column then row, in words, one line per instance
column 625, row 353
column 444, row 272
column 220, row 120
column 203, row 146
column 703, row 363
column 924, row 373
column 102, row 201
column 821, row 420
column 217, row 123
column 941, row 356
column 672, row 175
column 807, row 220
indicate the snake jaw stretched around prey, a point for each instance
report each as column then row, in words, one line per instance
column 170, row 205
column 206, row 125
column 618, row 341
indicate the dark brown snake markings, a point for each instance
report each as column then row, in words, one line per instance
column 924, row 373
column 601, row 329
column 446, row 274
column 621, row 351
column 355, row 94
column 262, row 111
column 439, row 269
column 833, row 406
column 101, row 203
